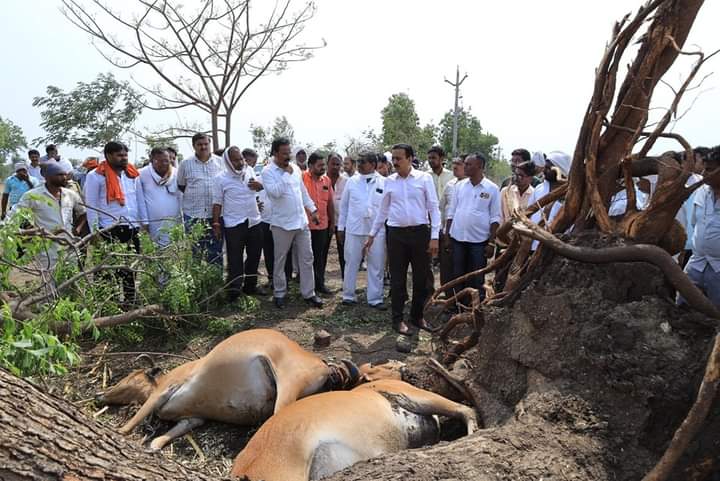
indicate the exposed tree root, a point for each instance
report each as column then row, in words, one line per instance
column 629, row 253
column 460, row 385
column 694, row 420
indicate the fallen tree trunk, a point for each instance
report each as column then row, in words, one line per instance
column 45, row 438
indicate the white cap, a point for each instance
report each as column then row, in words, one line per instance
column 561, row 160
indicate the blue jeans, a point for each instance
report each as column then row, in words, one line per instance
column 469, row 257
column 707, row 281
column 208, row 243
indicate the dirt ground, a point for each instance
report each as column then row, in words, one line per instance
column 585, row 377
column 358, row 333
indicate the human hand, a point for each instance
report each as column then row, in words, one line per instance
column 368, row 244
column 341, row 236
column 253, row 184
column 217, row 230
column 433, row 247
column 489, row 250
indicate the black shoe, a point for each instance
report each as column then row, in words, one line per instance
column 380, row 307
column 279, row 302
column 314, row 301
column 323, row 290
column 348, row 302
column 256, row 291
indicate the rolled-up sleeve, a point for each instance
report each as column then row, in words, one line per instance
column 217, row 191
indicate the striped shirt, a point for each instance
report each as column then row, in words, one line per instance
column 198, row 178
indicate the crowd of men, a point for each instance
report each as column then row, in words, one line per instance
column 383, row 210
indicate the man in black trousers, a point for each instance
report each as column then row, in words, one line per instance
column 410, row 209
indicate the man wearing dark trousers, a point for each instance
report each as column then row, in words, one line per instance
column 320, row 190
column 408, row 206
column 234, row 198
column 472, row 221
column 114, row 197
column 338, row 180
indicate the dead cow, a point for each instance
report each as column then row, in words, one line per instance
column 243, row 380
column 325, row 433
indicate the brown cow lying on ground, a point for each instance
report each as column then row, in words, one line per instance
column 322, row 434
column 243, row 380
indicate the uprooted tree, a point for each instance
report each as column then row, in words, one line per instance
column 615, row 139
column 581, row 387
column 205, row 58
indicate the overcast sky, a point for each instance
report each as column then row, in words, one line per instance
column 530, row 67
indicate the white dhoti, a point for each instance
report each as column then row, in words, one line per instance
column 375, row 260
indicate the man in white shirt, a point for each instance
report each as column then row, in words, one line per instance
column 349, row 165
column 289, row 223
column 440, row 175
column 114, row 198
column 446, row 262
column 161, row 195
column 338, row 180
column 195, row 180
column 359, row 205
column 250, row 157
column 51, row 155
column 54, row 208
column 703, row 268
column 234, row 197
column 409, row 204
column 34, row 167
column 473, row 219
column 557, row 169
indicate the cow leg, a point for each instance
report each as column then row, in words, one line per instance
column 183, row 426
column 428, row 403
column 153, row 403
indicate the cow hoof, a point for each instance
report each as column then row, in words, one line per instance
column 154, row 447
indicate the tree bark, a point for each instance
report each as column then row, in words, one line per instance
column 45, row 438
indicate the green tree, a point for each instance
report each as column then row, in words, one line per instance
column 426, row 139
column 471, row 137
column 11, row 139
column 90, row 115
column 400, row 121
column 263, row 136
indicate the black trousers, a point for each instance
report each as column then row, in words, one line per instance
column 340, row 250
column 320, row 240
column 268, row 252
column 408, row 246
column 242, row 276
column 125, row 234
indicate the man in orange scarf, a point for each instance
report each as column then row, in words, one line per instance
column 114, row 199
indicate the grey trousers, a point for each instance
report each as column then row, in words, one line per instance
column 300, row 240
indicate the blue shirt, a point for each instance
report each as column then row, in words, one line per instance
column 15, row 188
column 705, row 217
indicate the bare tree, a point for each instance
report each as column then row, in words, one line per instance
column 206, row 58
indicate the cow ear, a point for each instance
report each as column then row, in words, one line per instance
column 152, row 372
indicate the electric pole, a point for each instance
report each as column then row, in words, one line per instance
column 456, row 112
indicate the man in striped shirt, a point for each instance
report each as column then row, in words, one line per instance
column 195, row 178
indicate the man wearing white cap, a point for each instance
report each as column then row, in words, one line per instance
column 15, row 186
column 557, row 168
column 54, row 207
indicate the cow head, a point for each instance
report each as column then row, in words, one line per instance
column 136, row 387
